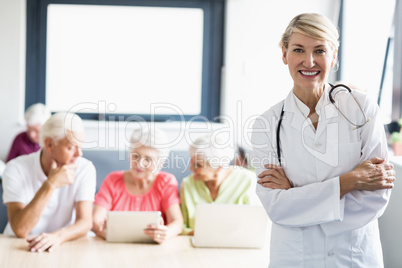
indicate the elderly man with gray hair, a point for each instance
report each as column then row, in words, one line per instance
column 49, row 193
column 214, row 179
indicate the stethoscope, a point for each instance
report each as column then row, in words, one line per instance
column 355, row 126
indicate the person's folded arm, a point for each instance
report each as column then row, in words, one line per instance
column 316, row 203
column 82, row 224
column 367, row 204
column 298, row 206
column 303, row 206
column 23, row 218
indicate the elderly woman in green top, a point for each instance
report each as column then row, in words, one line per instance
column 213, row 179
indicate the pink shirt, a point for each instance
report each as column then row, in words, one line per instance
column 113, row 194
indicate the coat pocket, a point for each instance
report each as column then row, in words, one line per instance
column 286, row 247
column 366, row 246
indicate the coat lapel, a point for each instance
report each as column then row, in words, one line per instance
column 326, row 111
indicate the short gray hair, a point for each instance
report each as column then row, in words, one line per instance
column 215, row 148
column 37, row 113
column 57, row 125
column 153, row 138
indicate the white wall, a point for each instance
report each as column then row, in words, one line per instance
column 359, row 65
column 12, row 71
column 391, row 221
column 254, row 77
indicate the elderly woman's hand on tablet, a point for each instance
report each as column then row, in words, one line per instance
column 160, row 233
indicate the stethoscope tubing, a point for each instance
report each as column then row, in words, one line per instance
column 355, row 126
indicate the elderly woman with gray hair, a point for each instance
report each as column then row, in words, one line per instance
column 144, row 187
column 213, row 179
column 28, row 141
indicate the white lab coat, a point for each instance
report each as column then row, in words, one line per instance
column 313, row 226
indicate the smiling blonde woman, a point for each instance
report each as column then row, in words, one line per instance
column 323, row 174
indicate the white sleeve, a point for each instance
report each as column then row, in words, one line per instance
column 86, row 182
column 299, row 206
column 362, row 207
column 13, row 184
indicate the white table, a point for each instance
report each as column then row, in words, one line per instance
column 95, row 252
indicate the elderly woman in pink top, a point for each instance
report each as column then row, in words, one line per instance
column 144, row 187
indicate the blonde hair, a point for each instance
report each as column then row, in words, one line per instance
column 312, row 25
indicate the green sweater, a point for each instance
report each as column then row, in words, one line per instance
column 238, row 188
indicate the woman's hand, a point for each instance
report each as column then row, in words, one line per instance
column 99, row 228
column 44, row 241
column 191, row 233
column 373, row 174
column 158, row 233
column 99, row 217
column 274, row 178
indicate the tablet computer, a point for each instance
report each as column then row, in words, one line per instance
column 128, row 226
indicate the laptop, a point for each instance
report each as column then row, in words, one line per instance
column 230, row 226
column 128, row 226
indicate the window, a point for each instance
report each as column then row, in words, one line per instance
column 397, row 68
column 159, row 60
column 365, row 38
